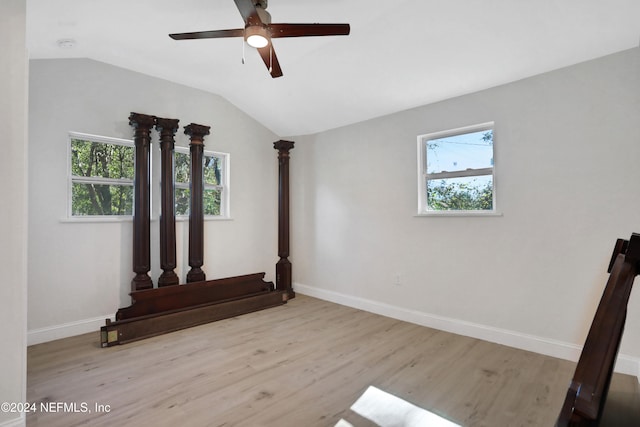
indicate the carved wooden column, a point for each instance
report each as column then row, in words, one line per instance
column 283, row 267
column 196, row 212
column 142, row 124
column 167, row 129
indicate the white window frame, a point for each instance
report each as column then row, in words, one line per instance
column 224, row 189
column 423, row 176
column 93, row 180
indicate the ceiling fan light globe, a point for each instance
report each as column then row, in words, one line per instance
column 257, row 41
column 256, row 36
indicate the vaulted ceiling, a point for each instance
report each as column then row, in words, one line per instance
column 400, row 53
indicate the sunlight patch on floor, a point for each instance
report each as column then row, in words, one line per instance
column 387, row 410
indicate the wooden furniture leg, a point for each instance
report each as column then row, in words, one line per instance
column 167, row 129
column 196, row 213
column 142, row 124
column 283, row 267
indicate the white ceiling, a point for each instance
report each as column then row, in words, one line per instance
column 400, row 54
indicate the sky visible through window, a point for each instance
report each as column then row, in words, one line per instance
column 459, row 152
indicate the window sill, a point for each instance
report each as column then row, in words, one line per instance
column 116, row 219
column 457, row 214
column 82, row 219
column 206, row 218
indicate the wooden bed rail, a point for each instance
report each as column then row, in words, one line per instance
column 588, row 389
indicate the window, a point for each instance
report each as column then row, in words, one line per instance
column 215, row 182
column 102, row 172
column 101, row 176
column 456, row 171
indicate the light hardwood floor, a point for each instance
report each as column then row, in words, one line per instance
column 302, row 364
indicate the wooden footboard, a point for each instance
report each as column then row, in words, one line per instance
column 171, row 298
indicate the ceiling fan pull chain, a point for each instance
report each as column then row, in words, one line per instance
column 242, row 50
column 270, row 57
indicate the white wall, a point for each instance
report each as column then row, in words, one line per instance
column 13, row 193
column 567, row 155
column 80, row 273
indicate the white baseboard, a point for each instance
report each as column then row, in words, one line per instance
column 549, row 347
column 21, row 421
column 65, row 330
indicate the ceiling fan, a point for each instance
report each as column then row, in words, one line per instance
column 258, row 32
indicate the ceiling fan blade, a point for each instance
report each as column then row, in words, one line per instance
column 238, row 32
column 270, row 59
column 248, row 12
column 307, row 30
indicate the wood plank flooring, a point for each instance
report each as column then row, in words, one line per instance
column 301, row 364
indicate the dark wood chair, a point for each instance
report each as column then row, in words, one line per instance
column 587, row 393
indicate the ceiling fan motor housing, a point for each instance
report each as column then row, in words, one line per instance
column 262, row 4
column 264, row 16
